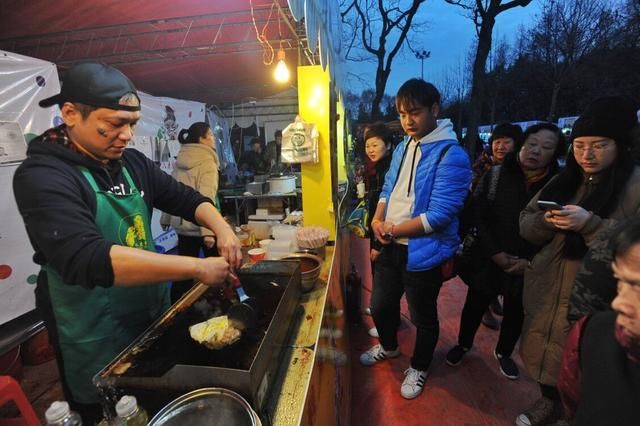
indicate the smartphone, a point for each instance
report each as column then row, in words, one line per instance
column 549, row 205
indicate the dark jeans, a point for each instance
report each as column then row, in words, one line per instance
column 391, row 281
column 189, row 246
column 476, row 304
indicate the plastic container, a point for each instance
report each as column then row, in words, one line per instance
column 279, row 248
column 129, row 413
column 59, row 414
column 264, row 243
column 284, row 232
column 262, row 230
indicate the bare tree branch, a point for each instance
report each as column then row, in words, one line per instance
column 383, row 29
column 484, row 15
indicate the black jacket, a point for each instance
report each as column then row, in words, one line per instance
column 58, row 206
column 497, row 219
column 374, row 187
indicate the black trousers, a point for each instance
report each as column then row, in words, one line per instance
column 189, row 246
column 391, row 281
column 478, row 301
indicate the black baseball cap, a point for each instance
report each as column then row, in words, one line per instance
column 94, row 84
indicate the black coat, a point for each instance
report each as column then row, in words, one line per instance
column 497, row 219
column 374, row 187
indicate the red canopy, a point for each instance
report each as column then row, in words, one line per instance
column 199, row 50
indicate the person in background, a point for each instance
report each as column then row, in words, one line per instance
column 236, row 147
column 252, row 160
column 416, row 221
column 272, row 155
column 377, row 146
column 86, row 203
column 197, row 167
column 599, row 186
column 600, row 375
column 502, row 255
column 505, row 137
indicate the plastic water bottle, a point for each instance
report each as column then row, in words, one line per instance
column 59, row 414
column 129, row 413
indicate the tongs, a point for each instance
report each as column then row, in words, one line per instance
column 241, row 313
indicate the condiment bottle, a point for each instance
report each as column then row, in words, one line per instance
column 59, row 414
column 129, row 413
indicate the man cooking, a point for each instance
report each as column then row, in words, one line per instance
column 86, row 203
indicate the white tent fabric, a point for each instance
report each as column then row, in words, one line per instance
column 281, row 107
column 24, row 81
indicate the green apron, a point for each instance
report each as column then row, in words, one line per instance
column 95, row 325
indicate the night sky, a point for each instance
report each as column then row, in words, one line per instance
column 449, row 36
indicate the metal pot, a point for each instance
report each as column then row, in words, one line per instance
column 310, row 266
column 282, row 184
column 207, row 406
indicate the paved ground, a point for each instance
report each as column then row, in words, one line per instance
column 474, row 393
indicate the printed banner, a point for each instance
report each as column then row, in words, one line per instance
column 157, row 137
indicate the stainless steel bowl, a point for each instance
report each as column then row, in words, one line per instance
column 207, row 406
column 310, row 266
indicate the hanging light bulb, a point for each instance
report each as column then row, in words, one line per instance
column 281, row 73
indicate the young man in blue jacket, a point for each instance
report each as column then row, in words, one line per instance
column 416, row 221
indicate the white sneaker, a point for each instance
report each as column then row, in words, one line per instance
column 373, row 332
column 377, row 353
column 368, row 310
column 413, row 383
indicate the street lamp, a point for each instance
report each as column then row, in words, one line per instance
column 422, row 55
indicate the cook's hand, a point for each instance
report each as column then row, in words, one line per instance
column 570, row 218
column 209, row 241
column 374, row 254
column 213, row 270
column 518, row 267
column 229, row 247
column 504, row 260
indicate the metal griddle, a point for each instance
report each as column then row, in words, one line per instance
column 165, row 362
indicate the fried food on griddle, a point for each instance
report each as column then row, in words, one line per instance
column 215, row 333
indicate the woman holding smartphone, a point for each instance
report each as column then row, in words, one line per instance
column 599, row 187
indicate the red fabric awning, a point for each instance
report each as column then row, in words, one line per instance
column 198, row 50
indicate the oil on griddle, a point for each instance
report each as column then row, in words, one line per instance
column 173, row 345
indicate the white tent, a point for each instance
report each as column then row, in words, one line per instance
column 24, row 82
column 272, row 113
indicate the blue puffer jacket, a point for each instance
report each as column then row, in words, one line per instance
column 439, row 194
